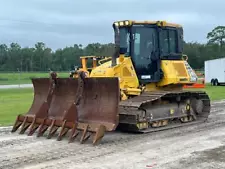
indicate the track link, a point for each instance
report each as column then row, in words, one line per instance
column 163, row 110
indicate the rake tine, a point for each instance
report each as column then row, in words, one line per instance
column 42, row 128
column 84, row 136
column 17, row 124
column 33, row 127
column 87, row 136
column 63, row 131
column 52, row 130
column 99, row 134
column 24, row 126
column 74, row 133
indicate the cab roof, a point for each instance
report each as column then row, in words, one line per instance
column 159, row 23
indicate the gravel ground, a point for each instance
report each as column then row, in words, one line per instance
column 192, row 147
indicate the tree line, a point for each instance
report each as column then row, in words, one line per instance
column 41, row 58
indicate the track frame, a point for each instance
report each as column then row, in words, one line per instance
column 163, row 110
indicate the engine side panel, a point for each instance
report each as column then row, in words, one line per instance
column 176, row 72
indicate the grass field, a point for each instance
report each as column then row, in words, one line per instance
column 215, row 92
column 24, row 77
column 16, row 101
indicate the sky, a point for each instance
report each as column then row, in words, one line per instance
column 61, row 23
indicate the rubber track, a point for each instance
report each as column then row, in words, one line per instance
column 148, row 97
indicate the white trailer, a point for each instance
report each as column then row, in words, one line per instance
column 215, row 71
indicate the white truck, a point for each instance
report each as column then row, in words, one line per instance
column 215, row 71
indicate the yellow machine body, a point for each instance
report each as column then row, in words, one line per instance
column 165, row 99
column 175, row 74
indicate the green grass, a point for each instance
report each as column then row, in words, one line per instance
column 24, row 77
column 14, row 102
column 18, row 101
column 214, row 92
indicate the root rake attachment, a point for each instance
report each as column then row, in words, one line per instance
column 88, row 129
column 97, row 109
column 84, row 105
column 43, row 91
column 62, row 112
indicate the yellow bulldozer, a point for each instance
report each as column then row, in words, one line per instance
column 137, row 89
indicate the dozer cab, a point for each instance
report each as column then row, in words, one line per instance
column 138, row 89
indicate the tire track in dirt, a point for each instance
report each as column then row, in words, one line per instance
column 28, row 150
column 130, row 145
column 78, row 152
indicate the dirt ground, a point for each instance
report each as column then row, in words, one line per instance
column 192, row 147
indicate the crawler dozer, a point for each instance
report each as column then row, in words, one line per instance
column 138, row 89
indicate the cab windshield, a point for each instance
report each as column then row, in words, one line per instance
column 146, row 42
column 148, row 45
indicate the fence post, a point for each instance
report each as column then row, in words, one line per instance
column 19, row 76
